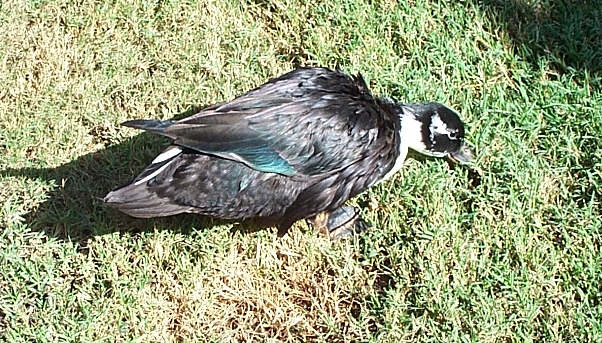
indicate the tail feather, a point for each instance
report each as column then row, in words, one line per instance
column 139, row 202
column 136, row 198
column 154, row 126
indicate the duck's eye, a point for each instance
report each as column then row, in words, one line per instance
column 453, row 135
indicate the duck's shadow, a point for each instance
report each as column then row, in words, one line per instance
column 73, row 208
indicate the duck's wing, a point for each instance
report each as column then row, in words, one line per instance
column 306, row 122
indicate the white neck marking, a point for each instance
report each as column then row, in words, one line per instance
column 410, row 137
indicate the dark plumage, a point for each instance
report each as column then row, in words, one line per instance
column 300, row 145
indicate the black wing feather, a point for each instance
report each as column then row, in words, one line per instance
column 306, row 122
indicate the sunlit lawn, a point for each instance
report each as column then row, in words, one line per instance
column 508, row 254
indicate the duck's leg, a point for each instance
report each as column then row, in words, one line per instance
column 343, row 222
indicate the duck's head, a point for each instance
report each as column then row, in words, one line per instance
column 434, row 130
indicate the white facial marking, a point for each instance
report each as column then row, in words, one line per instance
column 438, row 127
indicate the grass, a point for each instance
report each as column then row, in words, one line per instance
column 509, row 255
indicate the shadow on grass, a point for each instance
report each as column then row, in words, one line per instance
column 566, row 32
column 73, row 208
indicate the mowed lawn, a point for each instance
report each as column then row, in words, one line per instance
column 507, row 251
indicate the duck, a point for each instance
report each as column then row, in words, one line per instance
column 294, row 148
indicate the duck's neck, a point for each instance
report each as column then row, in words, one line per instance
column 412, row 129
column 409, row 134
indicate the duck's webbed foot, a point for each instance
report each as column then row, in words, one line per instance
column 343, row 222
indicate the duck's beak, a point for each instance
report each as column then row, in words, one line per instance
column 463, row 155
